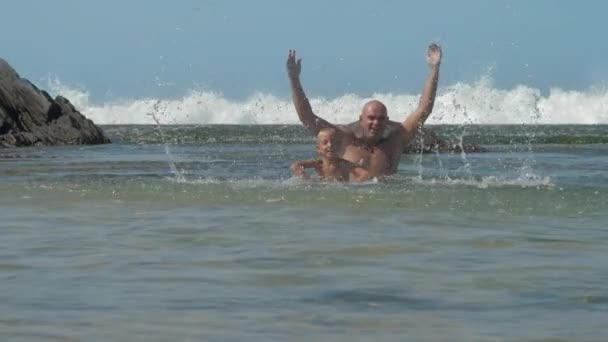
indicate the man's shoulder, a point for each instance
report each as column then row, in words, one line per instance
column 394, row 125
column 350, row 128
column 348, row 131
column 393, row 129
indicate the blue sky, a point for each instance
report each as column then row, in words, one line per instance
column 136, row 48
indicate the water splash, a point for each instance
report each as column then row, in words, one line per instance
column 486, row 182
column 527, row 170
column 419, row 155
column 462, row 112
column 157, row 109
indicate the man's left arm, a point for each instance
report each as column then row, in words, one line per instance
column 427, row 100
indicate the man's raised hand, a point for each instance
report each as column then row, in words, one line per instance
column 293, row 66
column 433, row 55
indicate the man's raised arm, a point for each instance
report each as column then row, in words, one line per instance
column 415, row 120
column 300, row 101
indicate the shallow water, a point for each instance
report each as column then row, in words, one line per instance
column 211, row 239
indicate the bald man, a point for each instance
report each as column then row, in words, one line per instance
column 373, row 142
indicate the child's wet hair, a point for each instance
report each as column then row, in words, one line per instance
column 329, row 131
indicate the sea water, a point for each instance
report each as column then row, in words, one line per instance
column 201, row 233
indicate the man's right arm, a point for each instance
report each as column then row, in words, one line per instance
column 300, row 101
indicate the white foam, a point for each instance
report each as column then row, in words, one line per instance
column 477, row 103
column 487, row 182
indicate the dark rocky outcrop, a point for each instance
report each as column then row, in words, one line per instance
column 30, row 117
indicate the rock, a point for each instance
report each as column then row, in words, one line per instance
column 30, row 117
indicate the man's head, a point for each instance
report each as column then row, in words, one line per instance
column 327, row 143
column 373, row 120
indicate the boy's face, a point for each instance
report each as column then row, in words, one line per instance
column 327, row 145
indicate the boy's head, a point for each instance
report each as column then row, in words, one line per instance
column 327, row 143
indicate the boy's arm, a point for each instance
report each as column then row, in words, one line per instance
column 298, row 167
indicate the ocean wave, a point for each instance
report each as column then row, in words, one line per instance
column 461, row 103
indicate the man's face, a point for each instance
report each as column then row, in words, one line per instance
column 373, row 121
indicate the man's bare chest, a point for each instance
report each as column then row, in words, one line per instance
column 378, row 160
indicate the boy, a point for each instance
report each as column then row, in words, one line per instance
column 330, row 166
